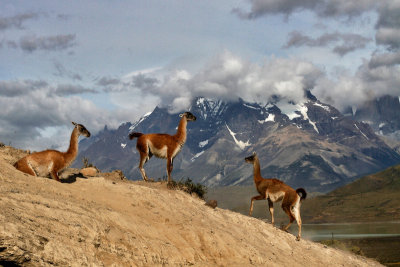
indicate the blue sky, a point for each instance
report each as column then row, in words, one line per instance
column 108, row 62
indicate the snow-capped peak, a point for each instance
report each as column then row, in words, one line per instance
column 139, row 121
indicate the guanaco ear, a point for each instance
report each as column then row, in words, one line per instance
column 74, row 123
column 181, row 115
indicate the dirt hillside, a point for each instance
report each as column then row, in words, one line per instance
column 105, row 221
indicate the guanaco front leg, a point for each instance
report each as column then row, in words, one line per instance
column 170, row 166
column 54, row 175
column 259, row 197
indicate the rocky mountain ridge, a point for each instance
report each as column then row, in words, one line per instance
column 309, row 144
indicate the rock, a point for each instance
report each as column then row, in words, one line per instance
column 212, row 203
column 89, row 172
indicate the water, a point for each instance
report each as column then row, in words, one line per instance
column 318, row 232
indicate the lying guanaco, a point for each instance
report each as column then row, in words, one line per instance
column 52, row 161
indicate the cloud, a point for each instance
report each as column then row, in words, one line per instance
column 63, row 17
column 353, row 90
column 349, row 41
column 385, row 59
column 143, row 82
column 127, row 84
column 61, row 71
column 49, row 43
column 389, row 37
column 229, row 77
column 30, row 108
column 344, row 8
column 322, row 8
column 68, row 90
column 20, row 88
column 16, row 21
column 389, row 15
column 271, row 7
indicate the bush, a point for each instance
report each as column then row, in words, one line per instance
column 189, row 187
column 86, row 163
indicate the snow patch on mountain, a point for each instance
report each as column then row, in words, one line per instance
column 361, row 132
column 289, row 109
column 196, row 156
column 248, row 106
column 203, row 143
column 242, row 145
column 297, row 110
column 303, row 111
column 322, row 106
column 139, row 121
column 354, row 110
column 271, row 117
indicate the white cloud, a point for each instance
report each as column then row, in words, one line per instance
column 35, row 117
column 229, row 77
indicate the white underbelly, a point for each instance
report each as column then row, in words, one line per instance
column 159, row 153
column 274, row 197
column 42, row 170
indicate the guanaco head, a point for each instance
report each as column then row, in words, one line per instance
column 189, row 116
column 251, row 158
column 81, row 129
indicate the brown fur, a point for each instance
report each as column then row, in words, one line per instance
column 162, row 145
column 275, row 190
column 52, row 161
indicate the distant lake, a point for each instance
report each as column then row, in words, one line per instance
column 318, row 232
column 377, row 240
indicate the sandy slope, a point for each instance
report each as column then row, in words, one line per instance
column 104, row 222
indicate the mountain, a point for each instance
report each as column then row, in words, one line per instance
column 102, row 222
column 371, row 198
column 310, row 144
column 382, row 114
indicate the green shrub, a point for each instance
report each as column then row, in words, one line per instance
column 189, row 187
column 86, row 163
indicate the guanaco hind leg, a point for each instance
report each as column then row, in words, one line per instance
column 271, row 210
column 296, row 213
column 287, row 206
column 24, row 166
column 143, row 160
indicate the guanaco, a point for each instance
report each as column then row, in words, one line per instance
column 275, row 190
column 162, row 145
column 52, row 161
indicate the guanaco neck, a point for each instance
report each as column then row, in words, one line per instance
column 181, row 132
column 257, row 171
column 72, row 151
